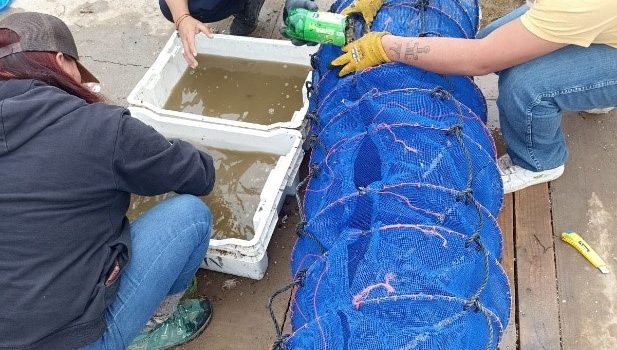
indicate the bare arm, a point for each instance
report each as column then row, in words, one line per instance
column 187, row 27
column 178, row 7
column 507, row 46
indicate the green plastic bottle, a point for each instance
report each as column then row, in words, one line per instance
column 318, row 27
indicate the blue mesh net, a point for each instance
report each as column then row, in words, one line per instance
column 417, row 321
column 398, row 259
column 402, row 202
column 378, row 138
column 452, row 18
column 398, row 244
column 378, row 81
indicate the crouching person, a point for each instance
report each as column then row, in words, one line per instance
column 74, row 273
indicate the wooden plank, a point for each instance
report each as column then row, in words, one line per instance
column 506, row 223
column 584, row 201
column 538, row 311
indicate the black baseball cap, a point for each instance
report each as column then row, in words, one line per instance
column 42, row 32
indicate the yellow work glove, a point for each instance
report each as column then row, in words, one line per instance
column 362, row 53
column 367, row 8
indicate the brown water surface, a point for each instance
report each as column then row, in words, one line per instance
column 238, row 89
column 240, row 178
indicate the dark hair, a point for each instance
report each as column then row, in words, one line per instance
column 40, row 66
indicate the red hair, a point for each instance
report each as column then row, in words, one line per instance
column 40, row 66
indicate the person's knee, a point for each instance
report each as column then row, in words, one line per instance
column 517, row 89
column 196, row 212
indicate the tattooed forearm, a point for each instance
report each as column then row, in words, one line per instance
column 410, row 50
column 397, row 49
column 435, row 54
column 413, row 50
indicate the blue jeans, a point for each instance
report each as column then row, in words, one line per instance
column 533, row 95
column 208, row 11
column 169, row 243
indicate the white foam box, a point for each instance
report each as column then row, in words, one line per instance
column 154, row 88
column 246, row 258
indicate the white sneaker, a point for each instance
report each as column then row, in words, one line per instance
column 600, row 110
column 516, row 178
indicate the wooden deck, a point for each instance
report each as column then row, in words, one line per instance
column 560, row 302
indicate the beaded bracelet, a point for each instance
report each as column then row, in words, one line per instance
column 181, row 18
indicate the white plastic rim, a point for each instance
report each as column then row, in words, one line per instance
column 154, row 88
column 283, row 142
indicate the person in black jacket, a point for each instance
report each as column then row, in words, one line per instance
column 74, row 273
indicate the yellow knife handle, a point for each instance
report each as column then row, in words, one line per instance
column 573, row 239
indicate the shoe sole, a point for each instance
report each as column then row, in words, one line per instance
column 196, row 334
column 600, row 110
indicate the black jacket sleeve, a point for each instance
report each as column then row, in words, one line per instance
column 146, row 163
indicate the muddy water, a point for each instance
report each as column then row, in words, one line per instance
column 238, row 89
column 240, row 178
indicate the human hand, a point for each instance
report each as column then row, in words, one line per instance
column 362, row 53
column 367, row 8
column 188, row 28
column 294, row 4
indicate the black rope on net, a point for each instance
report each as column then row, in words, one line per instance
column 313, row 170
column 314, row 139
column 309, row 143
column 314, row 60
column 441, row 93
column 310, row 88
column 362, row 190
column 474, row 300
column 446, row 78
column 485, row 262
column 478, row 307
column 300, row 231
column 458, row 134
column 457, row 131
column 279, row 343
column 312, row 116
column 431, row 34
column 467, row 196
column 313, row 119
column 422, row 6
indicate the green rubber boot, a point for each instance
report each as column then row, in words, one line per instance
column 185, row 324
